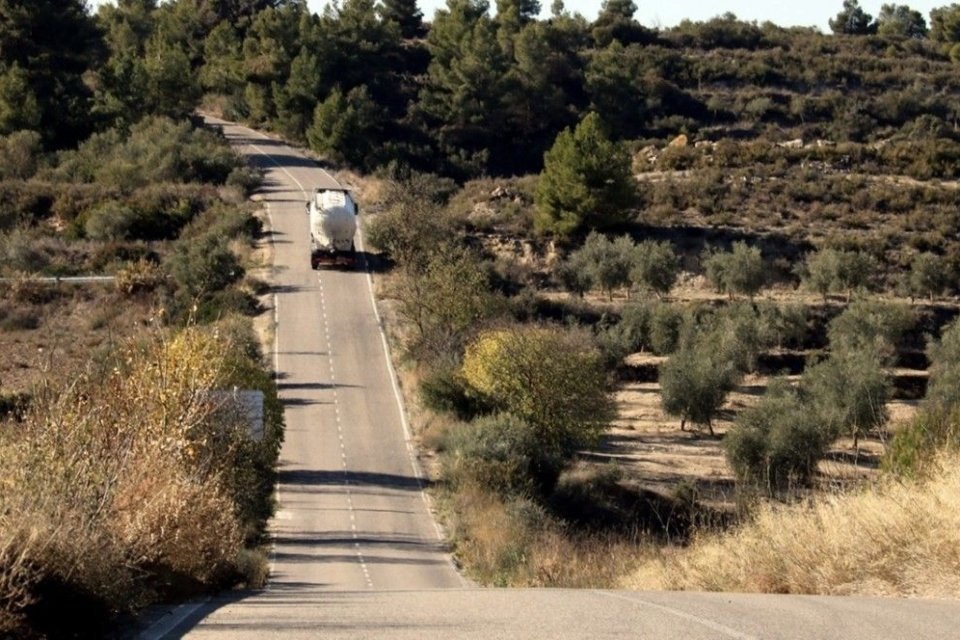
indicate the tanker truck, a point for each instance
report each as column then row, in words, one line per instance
column 333, row 225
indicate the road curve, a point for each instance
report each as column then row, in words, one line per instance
column 357, row 553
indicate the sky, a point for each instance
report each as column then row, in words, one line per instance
column 667, row 13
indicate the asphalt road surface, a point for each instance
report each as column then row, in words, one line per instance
column 357, row 553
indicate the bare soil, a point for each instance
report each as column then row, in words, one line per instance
column 71, row 322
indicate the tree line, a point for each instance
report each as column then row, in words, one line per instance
column 372, row 84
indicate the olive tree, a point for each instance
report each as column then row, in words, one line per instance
column 928, row 276
column 943, row 388
column 740, row 271
column 836, row 271
column 779, row 441
column 849, row 391
column 871, row 326
column 695, row 381
column 655, row 267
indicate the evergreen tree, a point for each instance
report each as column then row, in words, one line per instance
column 298, row 97
column 615, row 23
column 586, row 182
column 901, row 20
column 344, row 126
column 853, row 20
column 462, row 97
column 542, row 93
column 45, row 48
column 406, row 15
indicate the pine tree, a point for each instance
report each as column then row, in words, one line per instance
column 47, row 46
column 586, row 182
column 406, row 15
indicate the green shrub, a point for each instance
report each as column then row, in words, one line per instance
column 501, row 453
column 21, row 154
column 777, row 443
column 246, row 179
column 24, row 202
column 204, row 265
column 915, row 445
column 553, row 379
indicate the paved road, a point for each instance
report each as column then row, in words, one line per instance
column 357, row 553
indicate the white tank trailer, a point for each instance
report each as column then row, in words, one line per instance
column 333, row 226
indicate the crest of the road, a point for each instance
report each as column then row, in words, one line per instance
column 356, row 550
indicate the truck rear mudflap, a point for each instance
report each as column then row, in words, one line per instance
column 341, row 259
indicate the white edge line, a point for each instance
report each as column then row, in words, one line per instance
column 172, row 620
column 679, row 613
column 408, row 438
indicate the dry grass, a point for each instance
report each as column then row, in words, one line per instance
column 116, row 486
column 894, row 539
column 516, row 544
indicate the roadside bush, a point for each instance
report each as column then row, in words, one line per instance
column 501, row 453
column 204, row 265
column 121, row 487
column 414, row 225
column 443, row 390
column 246, row 179
column 553, row 379
column 916, row 445
column 777, row 443
column 443, row 300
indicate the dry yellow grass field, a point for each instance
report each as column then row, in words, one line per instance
column 894, row 538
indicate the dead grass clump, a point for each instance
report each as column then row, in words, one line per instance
column 116, row 489
column 516, row 543
column 895, row 539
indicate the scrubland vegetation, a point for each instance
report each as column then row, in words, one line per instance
column 769, row 211
column 127, row 477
